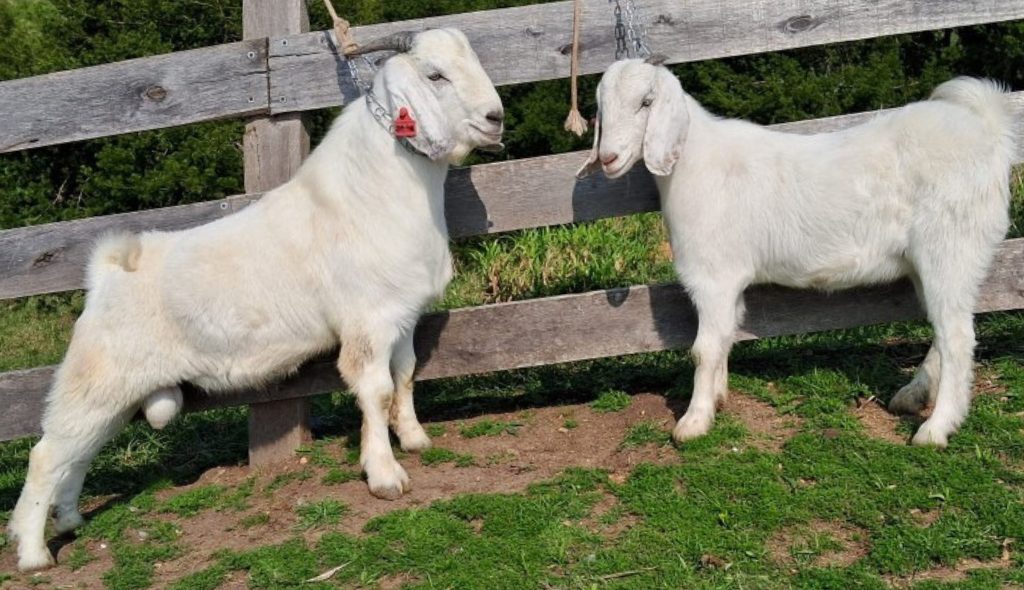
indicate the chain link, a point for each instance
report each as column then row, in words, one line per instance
column 379, row 111
column 630, row 31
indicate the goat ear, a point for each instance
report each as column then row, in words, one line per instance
column 593, row 162
column 667, row 125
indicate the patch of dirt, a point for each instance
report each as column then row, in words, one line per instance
column 541, row 448
column 805, row 539
column 946, row 574
column 768, row 428
column 396, row 581
column 925, row 518
column 879, row 423
column 609, row 528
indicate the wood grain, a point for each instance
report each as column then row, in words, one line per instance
column 530, row 43
column 572, row 328
column 484, row 199
column 135, row 95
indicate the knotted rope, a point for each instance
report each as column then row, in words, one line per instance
column 342, row 31
column 575, row 123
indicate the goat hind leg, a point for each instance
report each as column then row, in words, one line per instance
column 56, row 470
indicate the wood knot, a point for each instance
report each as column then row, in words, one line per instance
column 664, row 19
column 567, row 48
column 47, row 257
column 156, row 93
column 617, row 297
column 534, row 31
column 799, row 24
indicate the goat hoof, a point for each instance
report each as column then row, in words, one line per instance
column 415, row 441
column 929, row 435
column 692, row 426
column 389, row 483
column 39, row 559
column 908, row 400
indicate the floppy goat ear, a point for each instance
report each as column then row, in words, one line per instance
column 405, row 88
column 593, row 162
column 667, row 125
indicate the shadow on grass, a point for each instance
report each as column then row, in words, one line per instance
column 867, row 361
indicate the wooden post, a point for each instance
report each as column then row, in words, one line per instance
column 274, row 148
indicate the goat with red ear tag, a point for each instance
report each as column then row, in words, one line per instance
column 350, row 251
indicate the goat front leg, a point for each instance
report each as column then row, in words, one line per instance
column 365, row 366
column 718, row 314
column 403, row 415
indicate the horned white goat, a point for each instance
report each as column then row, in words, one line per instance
column 351, row 250
column 921, row 192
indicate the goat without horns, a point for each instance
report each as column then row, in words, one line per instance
column 350, row 251
column 922, row 192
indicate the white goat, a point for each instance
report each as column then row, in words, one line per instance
column 920, row 192
column 350, row 251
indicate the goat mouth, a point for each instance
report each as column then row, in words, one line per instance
column 494, row 137
column 619, row 167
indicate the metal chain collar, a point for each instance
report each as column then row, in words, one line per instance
column 379, row 111
column 630, row 32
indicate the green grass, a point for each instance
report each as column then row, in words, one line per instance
column 254, row 520
column 611, row 401
column 437, row 455
column 644, row 433
column 320, row 514
column 337, row 476
column 488, row 427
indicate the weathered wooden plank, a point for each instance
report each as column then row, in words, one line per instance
column 515, row 45
column 531, row 43
column 274, row 149
column 135, row 95
column 573, row 328
column 51, row 257
column 482, row 199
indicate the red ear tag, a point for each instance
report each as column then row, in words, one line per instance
column 405, row 125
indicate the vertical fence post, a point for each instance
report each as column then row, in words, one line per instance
column 274, row 148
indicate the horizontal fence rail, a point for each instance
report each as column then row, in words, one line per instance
column 136, row 95
column 524, row 44
column 571, row 328
column 484, row 199
column 532, row 43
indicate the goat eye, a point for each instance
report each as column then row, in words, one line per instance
column 646, row 103
column 436, row 76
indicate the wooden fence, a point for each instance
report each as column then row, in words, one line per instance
column 279, row 71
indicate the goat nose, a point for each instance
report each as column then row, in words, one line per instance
column 496, row 116
column 606, row 160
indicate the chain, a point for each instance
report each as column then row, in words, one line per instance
column 630, row 32
column 379, row 111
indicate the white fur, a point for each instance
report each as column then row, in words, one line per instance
column 350, row 251
column 920, row 192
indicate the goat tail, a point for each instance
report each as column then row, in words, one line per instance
column 987, row 99
column 113, row 252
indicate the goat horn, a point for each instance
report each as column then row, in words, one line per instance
column 656, row 60
column 400, row 42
